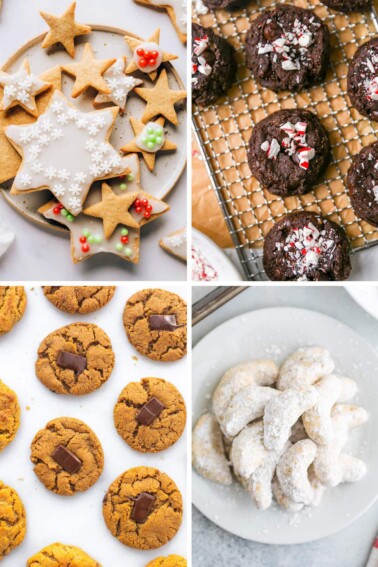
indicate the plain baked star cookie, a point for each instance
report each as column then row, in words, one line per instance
column 79, row 298
column 63, row 29
column 155, row 324
column 150, row 415
column 12, row 306
column 67, row 456
column 21, row 88
column 143, row 508
column 119, row 84
column 61, row 555
column 170, row 561
column 160, row 99
column 12, row 520
column 9, row 415
column 76, row 359
column 147, row 54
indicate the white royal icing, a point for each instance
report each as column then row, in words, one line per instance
column 176, row 243
column 148, row 46
column 154, row 131
column 119, row 84
column 20, row 87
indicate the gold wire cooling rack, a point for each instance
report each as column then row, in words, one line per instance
column 223, row 131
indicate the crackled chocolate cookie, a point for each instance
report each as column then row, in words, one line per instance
column 143, row 508
column 12, row 306
column 363, row 79
column 348, row 6
column 213, row 65
column 12, row 520
column 362, row 183
column 150, row 415
column 306, row 246
column 288, row 151
column 287, row 48
column 155, row 324
column 79, row 298
column 67, row 456
column 61, row 555
column 76, row 359
column 9, row 415
column 170, row 561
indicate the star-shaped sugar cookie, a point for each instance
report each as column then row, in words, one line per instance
column 147, row 54
column 119, row 84
column 21, row 88
column 177, row 12
column 65, row 150
column 140, row 143
column 160, row 99
column 88, row 72
column 63, row 29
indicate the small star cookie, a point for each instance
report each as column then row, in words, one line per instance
column 149, row 139
column 147, row 55
column 21, row 88
column 160, row 99
column 63, row 29
column 119, row 84
column 88, row 72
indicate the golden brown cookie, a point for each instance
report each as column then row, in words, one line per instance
column 170, row 561
column 63, row 29
column 9, row 415
column 61, row 555
column 76, row 359
column 159, row 341
column 12, row 306
column 79, row 298
column 67, row 456
column 12, row 520
column 160, row 99
column 143, row 508
column 150, row 415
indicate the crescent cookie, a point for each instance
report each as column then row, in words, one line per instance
column 292, row 471
column 259, row 484
column 208, row 454
column 248, row 451
column 282, row 499
column 304, row 366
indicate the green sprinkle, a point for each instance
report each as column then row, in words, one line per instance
column 91, row 239
column 145, row 139
column 150, row 145
column 85, row 232
column 64, row 212
column 159, row 140
column 150, row 130
column 123, row 186
column 130, row 177
column 159, row 131
column 119, row 247
column 152, row 137
column 128, row 251
column 97, row 238
column 124, row 232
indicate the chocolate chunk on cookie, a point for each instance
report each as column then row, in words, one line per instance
column 67, row 456
column 166, row 345
column 79, row 298
column 213, row 65
column 288, row 151
column 348, row 6
column 150, row 415
column 12, row 520
column 59, row 555
column 170, row 561
column 12, row 306
column 363, row 79
column 362, row 183
column 9, row 415
column 305, row 246
column 76, row 359
column 287, row 48
column 163, row 514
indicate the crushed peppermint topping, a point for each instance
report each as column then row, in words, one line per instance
column 201, row 65
column 201, row 269
column 375, row 191
column 294, row 143
column 368, row 75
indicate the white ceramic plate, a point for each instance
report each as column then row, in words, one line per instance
column 274, row 333
column 366, row 297
column 216, row 257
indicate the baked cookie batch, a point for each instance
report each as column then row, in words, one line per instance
column 288, row 48
column 143, row 507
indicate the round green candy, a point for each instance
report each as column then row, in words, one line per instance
column 159, row 140
column 130, row 177
column 123, row 186
column 150, row 145
column 64, row 212
column 159, row 131
column 119, row 247
column 145, row 139
column 97, row 238
column 152, row 137
column 70, row 218
column 151, row 130
column 85, row 232
column 91, row 239
column 124, row 232
column 128, row 251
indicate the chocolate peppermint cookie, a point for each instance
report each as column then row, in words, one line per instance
column 363, row 79
column 362, row 183
column 305, row 246
column 288, row 151
column 287, row 48
column 225, row 4
column 213, row 65
column 348, row 6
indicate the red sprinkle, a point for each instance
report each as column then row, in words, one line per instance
column 125, row 239
column 85, row 248
column 82, row 239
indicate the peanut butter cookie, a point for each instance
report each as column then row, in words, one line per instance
column 155, row 324
column 67, row 456
column 76, row 359
column 143, row 508
column 79, row 298
column 170, row 561
column 9, row 415
column 12, row 306
column 61, row 555
column 150, row 415
column 12, row 520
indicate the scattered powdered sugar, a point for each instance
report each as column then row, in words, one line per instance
column 294, row 143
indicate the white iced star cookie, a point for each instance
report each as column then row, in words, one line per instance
column 21, row 88
column 119, row 84
column 175, row 243
column 65, row 150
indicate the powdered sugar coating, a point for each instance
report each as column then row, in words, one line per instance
column 248, row 451
column 292, row 471
column 208, row 452
column 305, row 366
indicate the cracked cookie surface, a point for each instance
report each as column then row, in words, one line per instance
column 170, row 561
column 164, row 519
column 80, row 440
column 165, row 429
column 83, row 339
column 79, row 298
column 9, row 415
column 165, row 346
column 61, row 555
column 12, row 520
column 12, row 306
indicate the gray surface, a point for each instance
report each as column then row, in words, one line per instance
column 349, row 548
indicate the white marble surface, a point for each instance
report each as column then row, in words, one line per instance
column 38, row 254
column 350, row 547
